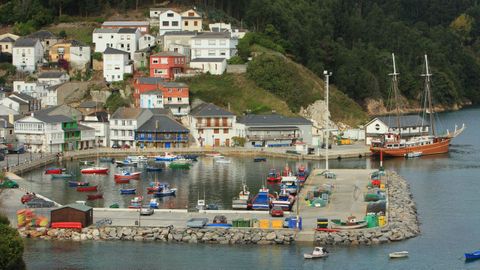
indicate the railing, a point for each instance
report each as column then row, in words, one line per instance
column 214, row 125
column 272, row 137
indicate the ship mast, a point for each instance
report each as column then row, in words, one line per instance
column 395, row 93
column 427, row 76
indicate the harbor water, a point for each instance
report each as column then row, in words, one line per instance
column 445, row 189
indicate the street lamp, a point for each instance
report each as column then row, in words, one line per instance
column 327, row 78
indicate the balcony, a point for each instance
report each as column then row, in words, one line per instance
column 214, row 125
column 161, row 138
column 272, row 137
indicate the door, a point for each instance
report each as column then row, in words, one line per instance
column 217, row 142
column 227, row 142
column 168, row 145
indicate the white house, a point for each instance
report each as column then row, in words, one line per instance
column 143, row 26
column 46, row 38
column 53, row 77
column 178, row 42
column 123, row 124
column 115, row 64
column 87, row 137
column 15, row 104
column 79, row 55
column 227, row 27
column 215, row 66
column 211, row 125
column 41, row 132
column 27, row 53
column 6, row 43
column 169, row 21
column 191, row 20
column 213, row 45
column 146, row 41
column 125, row 39
column 99, row 122
column 4, row 110
column 410, row 125
column 151, row 100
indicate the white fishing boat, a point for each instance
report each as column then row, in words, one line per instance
column 222, row 160
column 398, row 254
column 318, row 252
column 137, row 159
column 241, row 202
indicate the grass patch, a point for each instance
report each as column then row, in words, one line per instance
column 81, row 32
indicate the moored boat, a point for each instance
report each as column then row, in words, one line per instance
column 222, row 160
column 150, row 168
column 127, row 191
column 54, row 170
column 166, row 191
column 261, row 201
column 166, row 157
column 127, row 175
column 121, row 181
column 213, row 154
column 106, row 159
column 138, row 199
column 97, row 196
column 286, row 171
column 273, row 176
column 284, row 200
column 125, row 163
column 259, row 159
column 77, row 184
column 86, row 162
column 350, row 224
column 136, row 159
column 290, row 184
column 62, row 175
column 398, row 254
column 153, row 203
column 472, row 255
column 241, row 202
column 318, row 252
column 94, row 170
column 86, row 188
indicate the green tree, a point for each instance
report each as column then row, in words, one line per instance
column 11, row 246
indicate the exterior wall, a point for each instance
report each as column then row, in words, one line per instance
column 87, row 139
column 40, row 136
column 269, row 138
column 191, row 21
column 169, row 21
column 166, row 66
column 140, row 60
column 55, row 81
column 149, row 101
column 27, row 58
column 114, row 66
column 80, row 57
column 14, row 105
column 68, row 214
column 59, row 51
column 6, row 47
column 179, row 44
column 122, row 131
column 213, row 47
column 102, row 132
column 146, row 41
column 214, row 68
column 120, row 41
column 144, row 28
column 162, row 139
column 213, row 131
column 376, row 129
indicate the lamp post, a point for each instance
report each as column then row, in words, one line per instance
column 327, row 79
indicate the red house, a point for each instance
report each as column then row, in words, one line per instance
column 166, row 64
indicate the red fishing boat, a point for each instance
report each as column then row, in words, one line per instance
column 54, row 170
column 97, row 196
column 121, row 181
column 95, row 170
column 87, row 188
column 127, row 175
column 273, row 176
column 286, row 171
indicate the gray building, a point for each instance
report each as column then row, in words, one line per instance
column 273, row 130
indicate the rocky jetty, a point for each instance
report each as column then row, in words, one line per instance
column 402, row 220
column 167, row 234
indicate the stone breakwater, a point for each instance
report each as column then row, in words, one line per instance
column 167, row 234
column 402, row 220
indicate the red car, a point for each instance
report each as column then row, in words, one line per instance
column 276, row 211
column 26, row 198
column 126, row 146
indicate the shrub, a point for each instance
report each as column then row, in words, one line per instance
column 115, row 101
column 236, row 60
column 97, row 56
column 238, row 141
column 11, row 247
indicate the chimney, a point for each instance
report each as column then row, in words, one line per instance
column 10, row 118
column 156, row 124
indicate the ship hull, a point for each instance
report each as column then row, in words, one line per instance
column 440, row 146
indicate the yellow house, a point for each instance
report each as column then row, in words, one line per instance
column 74, row 52
column 191, row 21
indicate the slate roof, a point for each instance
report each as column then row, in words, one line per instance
column 91, row 104
column 149, row 80
column 271, row 120
column 101, row 116
column 153, row 92
column 4, row 120
column 161, row 111
column 23, row 96
column 127, row 30
column 165, row 124
column 212, row 35
column 51, row 74
column 58, row 110
column 181, row 33
column 206, row 60
column 109, row 50
column 19, row 101
column 405, row 121
column 168, row 53
column 25, row 42
column 173, row 84
column 105, row 30
column 42, row 34
column 127, row 113
column 209, row 109
column 76, row 206
column 7, row 39
column 52, row 118
column 125, row 23
column 83, row 127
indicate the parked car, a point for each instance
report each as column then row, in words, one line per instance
column 147, row 211
column 276, row 211
column 126, row 146
column 115, row 146
column 26, row 198
column 7, row 183
column 220, row 219
column 40, row 203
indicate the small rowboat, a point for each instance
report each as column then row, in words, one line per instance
column 473, row 255
column 154, row 189
column 215, row 154
column 398, row 254
column 95, row 170
column 318, row 252
column 54, row 170
column 62, row 175
column 127, row 175
column 153, row 203
column 77, row 184
column 86, row 188
column 125, row 191
column 153, row 169
column 138, row 199
column 259, row 159
column 97, row 196
column 121, row 181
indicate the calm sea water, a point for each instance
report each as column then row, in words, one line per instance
column 445, row 188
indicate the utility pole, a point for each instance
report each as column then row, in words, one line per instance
column 327, row 131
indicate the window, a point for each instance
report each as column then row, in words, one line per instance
column 191, row 14
column 169, row 99
column 198, row 42
column 160, row 71
column 222, row 52
column 175, row 23
column 169, row 14
column 123, row 132
column 155, row 61
column 186, row 23
column 195, row 23
column 164, row 60
column 216, row 131
column 179, row 99
column 212, row 42
column 200, row 131
column 129, row 122
column 211, row 52
column 165, row 23
column 223, row 42
column 100, row 36
column 130, row 133
column 123, row 122
column 225, row 131
column 115, row 132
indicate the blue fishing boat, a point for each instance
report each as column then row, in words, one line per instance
column 166, row 157
column 166, row 191
column 261, row 201
column 126, row 191
column 191, row 157
column 153, row 203
column 284, row 200
column 473, row 255
column 259, row 159
column 153, row 169
column 77, row 184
